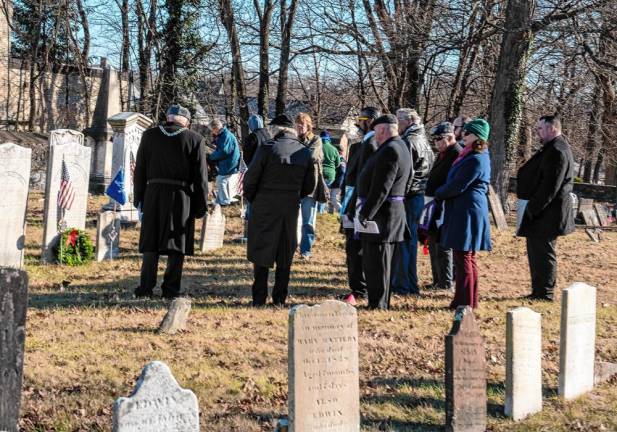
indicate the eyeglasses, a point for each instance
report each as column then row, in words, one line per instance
column 466, row 133
column 362, row 118
column 438, row 138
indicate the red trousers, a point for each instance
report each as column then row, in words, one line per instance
column 466, row 277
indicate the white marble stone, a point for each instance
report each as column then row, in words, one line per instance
column 14, row 178
column 107, row 236
column 523, row 363
column 128, row 129
column 65, row 145
column 578, row 340
column 158, row 404
column 323, row 368
column 213, row 230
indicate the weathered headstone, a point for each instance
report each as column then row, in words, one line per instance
column 13, row 306
column 465, row 375
column 107, row 236
column 128, row 128
column 213, row 230
column 523, row 363
column 176, row 317
column 578, row 340
column 604, row 371
column 602, row 214
column 158, row 404
column 324, row 393
column 585, row 204
column 65, row 145
column 496, row 209
column 590, row 217
column 14, row 178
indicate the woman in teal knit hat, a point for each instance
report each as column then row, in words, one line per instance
column 466, row 228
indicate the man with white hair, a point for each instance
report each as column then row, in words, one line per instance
column 227, row 159
column 171, row 188
column 381, row 187
column 404, row 267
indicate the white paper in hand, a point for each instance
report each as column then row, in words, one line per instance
column 347, row 223
column 370, row 228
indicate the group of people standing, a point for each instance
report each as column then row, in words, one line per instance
column 394, row 180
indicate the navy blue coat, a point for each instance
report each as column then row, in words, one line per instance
column 466, row 225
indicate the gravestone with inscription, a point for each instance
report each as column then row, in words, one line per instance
column 523, row 363
column 324, row 392
column 465, row 375
column 128, row 128
column 68, row 146
column 13, row 306
column 158, row 404
column 107, row 236
column 14, row 178
column 212, row 230
column 578, row 340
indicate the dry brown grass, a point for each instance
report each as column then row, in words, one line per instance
column 86, row 344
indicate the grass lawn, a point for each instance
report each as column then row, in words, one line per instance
column 87, row 338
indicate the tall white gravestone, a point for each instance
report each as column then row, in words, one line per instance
column 67, row 145
column 578, row 340
column 523, row 363
column 14, row 180
column 128, row 128
column 324, row 390
column 158, row 404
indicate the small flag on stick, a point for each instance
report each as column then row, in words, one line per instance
column 66, row 194
column 116, row 189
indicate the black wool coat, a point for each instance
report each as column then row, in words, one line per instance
column 359, row 154
column 384, row 176
column 255, row 139
column 171, row 187
column 546, row 181
column 441, row 167
column 279, row 176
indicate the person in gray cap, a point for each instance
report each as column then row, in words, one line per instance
column 279, row 176
column 448, row 150
column 259, row 136
column 171, row 189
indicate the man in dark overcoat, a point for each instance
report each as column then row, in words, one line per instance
column 546, row 182
column 359, row 153
column 381, row 188
column 171, row 189
column 279, row 176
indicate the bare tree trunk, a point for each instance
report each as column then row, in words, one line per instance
column 34, row 54
column 265, row 17
column 591, row 146
column 124, row 56
column 287, row 20
column 506, row 106
column 146, row 28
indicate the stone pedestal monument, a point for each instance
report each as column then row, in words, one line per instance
column 128, row 128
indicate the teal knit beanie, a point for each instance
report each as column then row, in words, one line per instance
column 479, row 127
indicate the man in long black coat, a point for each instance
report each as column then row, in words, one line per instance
column 359, row 154
column 171, row 188
column 546, row 182
column 381, row 188
column 279, row 176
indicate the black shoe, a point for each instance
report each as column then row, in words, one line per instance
column 142, row 293
column 535, row 297
column 170, row 296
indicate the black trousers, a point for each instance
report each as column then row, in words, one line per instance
column 260, row 285
column 355, row 273
column 441, row 264
column 542, row 265
column 377, row 264
column 173, row 273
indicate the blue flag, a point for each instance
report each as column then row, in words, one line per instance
column 116, row 189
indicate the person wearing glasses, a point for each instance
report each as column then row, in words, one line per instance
column 458, row 125
column 448, row 149
column 466, row 228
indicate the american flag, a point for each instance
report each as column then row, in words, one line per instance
column 66, row 194
column 240, row 187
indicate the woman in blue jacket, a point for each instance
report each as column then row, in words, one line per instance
column 466, row 227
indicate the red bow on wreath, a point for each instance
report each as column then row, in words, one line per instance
column 72, row 238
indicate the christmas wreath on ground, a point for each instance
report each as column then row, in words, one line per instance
column 77, row 248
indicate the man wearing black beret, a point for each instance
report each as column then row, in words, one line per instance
column 281, row 173
column 381, row 188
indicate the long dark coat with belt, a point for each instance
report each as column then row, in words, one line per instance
column 383, row 177
column 546, row 181
column 359, row 154
column 279, row 176
column 171, row 187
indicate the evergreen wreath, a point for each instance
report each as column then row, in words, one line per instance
column 77, row 248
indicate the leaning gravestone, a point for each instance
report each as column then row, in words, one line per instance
column 158, row 404
column 128, row 129
column 523, row 363
column 324, row 391
column 107, row 236
column 13, row 306
column 66, row 146
column 212, row 230
column 177, row 316
column 14, row 178
column 578, row 340
column 465, row 375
